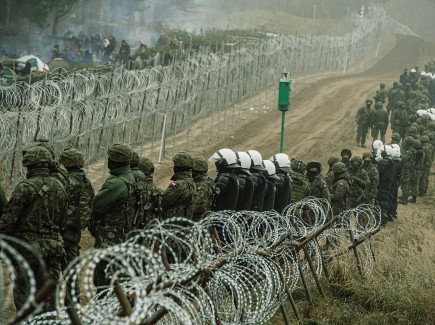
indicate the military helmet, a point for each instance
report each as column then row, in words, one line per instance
column 146, row 165
column 425, row 118
column 120, row 152
column 431, row 136
column 431, row 125
column 356, row 158
column 346, row 152
column 332, row 160
column 379, row 104
column 44, row 143
column 416, row 143
column 367, row 155
column 183, row 159
column 299, row 166
column 368, row 100
column 71, row 158
column 412, row 129
column 314, row 164
column 424, row 139
column 37, row 156
column 395, row 136
column 200, row 164
column 382, row 85
column 339, row 167
column 134, row 158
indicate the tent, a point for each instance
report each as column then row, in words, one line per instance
column 37, row 64
column 57, row 64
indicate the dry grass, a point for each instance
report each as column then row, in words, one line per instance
column 400, row 289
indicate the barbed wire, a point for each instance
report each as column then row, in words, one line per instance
column 91, row 111
column 229, row 267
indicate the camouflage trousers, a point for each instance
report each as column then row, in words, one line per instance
column 361, row 133
column 106, row 236
column 424, row 182
column 53, row 268
column 72, row 250
column 409, row 182
column 377, row 130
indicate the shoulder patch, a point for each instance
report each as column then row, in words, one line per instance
column 173, row 184
column 324, row 185
column 341, row 184
column 199, row 188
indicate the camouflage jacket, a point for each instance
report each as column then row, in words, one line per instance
column 80, row 199
column 359, row 181
column 153, row 198
column 329, row 179
column 372, row 190
column 203, row 199
column 177, row 199
column 429, row 154
column 319, row 189
column 114, row 207
column 381, row 96
column 364, row 116
column 339, row 192
column 300, row 187
column 399, row 118
column 37, row 208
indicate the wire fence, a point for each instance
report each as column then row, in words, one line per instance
column 91, row 111
column 228, row 268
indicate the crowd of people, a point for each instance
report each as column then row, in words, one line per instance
column 56, row 201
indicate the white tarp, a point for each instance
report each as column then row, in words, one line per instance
column 37, row 64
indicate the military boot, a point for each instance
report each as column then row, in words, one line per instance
column 413, row 199
column 403, row 200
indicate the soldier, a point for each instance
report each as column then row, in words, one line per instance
column 139, row 179
column 204, row 185
column 329, row 178
column 246, row 181
column 419, row 166
column 404, row 77
column 271, row 179
column 363, row 120
column 3, row 200
column 395, row 139
column 80, row 198
column 340, row 188
column 358, row 182
column 379, row 122
column 56, row 170
column 408, row 171
column 371, row 190
column 428, row 149
column 257, row 170
column 114, row 206
column 152, row 194
column 226, row 182
column 381, row 94
column 178, row 198
column 36, row 214
column 318, row 186
column 301, row 186
column 399, row 120
column 283, row 186
column 346, row 154
column 385, row 166
column 413, row 132
column 124, row 51
column 396, row 156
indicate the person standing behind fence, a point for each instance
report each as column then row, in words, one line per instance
column 363, row 120
column 204, row 185
column 153, row 194
column 283, row 185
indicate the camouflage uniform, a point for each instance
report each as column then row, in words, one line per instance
column 371, row 190
column 3, row 200
column 379, row 122
column 381, row 94
column 413, row 132
column 340, row 188
column 140, row 179
column 152, row 193
column 359, row 181
column 319, row 189
column 419, row 166
column 114, row 206
column 399, row 120
column 204, row 186
column 80, row 198
column 329, row 178
column 178, row 198
column 301, row 186
column 36, row 214
column 363, row 120
column 429, row 154
column 408, row 171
